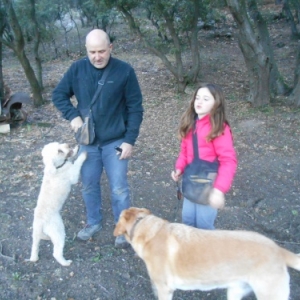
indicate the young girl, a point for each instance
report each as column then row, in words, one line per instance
column 207, row 109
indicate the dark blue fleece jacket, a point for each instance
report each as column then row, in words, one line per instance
column 117, row 113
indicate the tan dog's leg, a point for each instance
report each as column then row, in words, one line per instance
column 56, row 232
column 238, row 292
column 162, row 291
column 274, row 286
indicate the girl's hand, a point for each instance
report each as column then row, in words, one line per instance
column 216, row 199
column 176, row 175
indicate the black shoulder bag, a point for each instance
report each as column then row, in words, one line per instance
column 198, row 176
column 86, row 135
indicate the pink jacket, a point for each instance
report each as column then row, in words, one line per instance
column 221, row 148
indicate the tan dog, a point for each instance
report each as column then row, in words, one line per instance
column 181, row 257
column 59, row 174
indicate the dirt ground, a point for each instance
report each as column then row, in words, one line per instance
column 264, row 197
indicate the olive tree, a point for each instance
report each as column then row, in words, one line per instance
column 2, row 27
column 169, row 29
column 257, row 62
column 13, row 38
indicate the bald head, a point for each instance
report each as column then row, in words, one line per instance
column 98, row 48
column 95, row 36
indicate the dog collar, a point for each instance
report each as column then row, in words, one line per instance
column 62, row 164
column 133, row 227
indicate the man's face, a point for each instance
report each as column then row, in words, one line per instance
column 98, row 53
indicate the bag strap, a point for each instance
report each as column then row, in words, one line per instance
column 101, row 83
column 195, row 142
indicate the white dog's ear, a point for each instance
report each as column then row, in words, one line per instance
column 49, row 165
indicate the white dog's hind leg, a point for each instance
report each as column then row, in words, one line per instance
column 56, row 232
column 37, row 233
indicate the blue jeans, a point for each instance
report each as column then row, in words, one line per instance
column 198, row 215
column 99, row 158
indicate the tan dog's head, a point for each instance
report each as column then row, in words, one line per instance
column 127, row 219
column 55, row 154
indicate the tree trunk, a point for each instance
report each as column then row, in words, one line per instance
column 78, row 33
column 257, row 62
column 2, row 26
column 17, row 45
column 65, row 34
column 194, row 44
column 37, row 40
column 30, row 75
column 277, row 85
column 1, row 81
column 290, row 18
column 294, row 97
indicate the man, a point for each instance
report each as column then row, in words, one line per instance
column 117, row 113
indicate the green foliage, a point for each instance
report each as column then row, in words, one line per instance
column 154, row 19
column 127, row 4
column 97, row 258
column 169, row 29
column 17, row 276
column 3, row 21
column 46, row 15
column 159, row 21
column 96, row 14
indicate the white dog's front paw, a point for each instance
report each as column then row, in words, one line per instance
column 75, row 150
column 82, row 156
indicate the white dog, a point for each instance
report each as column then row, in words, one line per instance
column 59, row 174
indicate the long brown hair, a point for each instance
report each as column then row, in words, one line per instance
column 217, row 114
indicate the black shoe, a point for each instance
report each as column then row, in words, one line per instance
column 88, row 231
column 121, row 242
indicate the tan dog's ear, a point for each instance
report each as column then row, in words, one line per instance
column 137, row 212
column 146, row 211
column 120, row 227
column 128, row 216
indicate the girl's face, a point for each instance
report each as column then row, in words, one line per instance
column 204, row 102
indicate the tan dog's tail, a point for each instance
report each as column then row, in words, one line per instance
column 292, row 260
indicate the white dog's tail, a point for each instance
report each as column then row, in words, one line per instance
column 292, row 260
